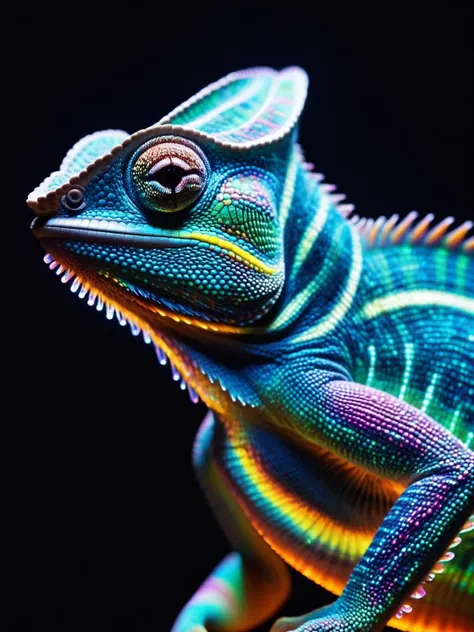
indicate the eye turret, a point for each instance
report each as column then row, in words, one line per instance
column 168, row 175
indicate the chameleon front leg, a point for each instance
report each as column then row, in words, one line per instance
column 251, row 583
column 391, row 438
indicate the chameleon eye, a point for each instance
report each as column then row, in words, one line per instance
column 170, row 175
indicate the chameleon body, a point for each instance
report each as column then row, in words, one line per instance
column 335, row 355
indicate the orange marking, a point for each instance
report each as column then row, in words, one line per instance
column 421, row 228
column 438, row 231
column 400, row 231
column 390, row 223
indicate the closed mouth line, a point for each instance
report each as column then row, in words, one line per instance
column 122, row 233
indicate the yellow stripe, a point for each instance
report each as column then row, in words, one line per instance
column 300, row 301
column 226, row 245
column 312, row 232
column 312, row 521
column 329, row 322
column 417, row 298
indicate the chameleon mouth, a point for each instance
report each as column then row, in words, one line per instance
column 127, row 234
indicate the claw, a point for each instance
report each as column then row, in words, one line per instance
column 284, row 624
column 291, row 624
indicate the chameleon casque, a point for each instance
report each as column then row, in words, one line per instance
column 335, row 355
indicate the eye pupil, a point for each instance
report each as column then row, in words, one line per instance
column 169, row 176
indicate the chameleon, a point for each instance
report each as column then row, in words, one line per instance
column 335, row 355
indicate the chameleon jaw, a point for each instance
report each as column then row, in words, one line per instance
column 125, row 234
column 199, row 383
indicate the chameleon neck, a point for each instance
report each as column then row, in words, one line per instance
column 323, row 266
column 323, row 261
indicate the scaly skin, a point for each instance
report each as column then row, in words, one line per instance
column 336, row 355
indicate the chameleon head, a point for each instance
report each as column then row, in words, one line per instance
column 182, row 219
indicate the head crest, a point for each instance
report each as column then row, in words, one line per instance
column 247, row 109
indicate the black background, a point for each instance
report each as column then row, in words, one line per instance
column 110, row 530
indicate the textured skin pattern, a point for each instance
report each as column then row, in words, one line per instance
column 336, row 356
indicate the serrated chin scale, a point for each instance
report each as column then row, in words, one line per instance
column 180, row 373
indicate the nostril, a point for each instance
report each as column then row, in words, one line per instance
column 74, row 199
